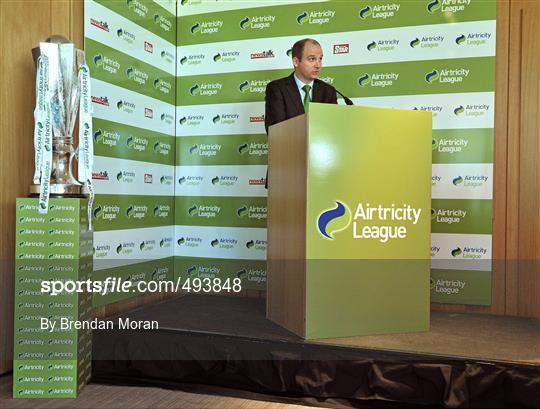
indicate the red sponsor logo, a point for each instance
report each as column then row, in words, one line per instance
column 341, row 48
column 256, row 118
column 149, row 113
column 260, row 181
column 103, row 175
column 148, row 178
column 149, row 47
column 100, row 24
column 100, row 100
column 263, row 54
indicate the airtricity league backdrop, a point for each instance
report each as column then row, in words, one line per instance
column 199, row 76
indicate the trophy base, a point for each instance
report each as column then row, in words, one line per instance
column 61, row 190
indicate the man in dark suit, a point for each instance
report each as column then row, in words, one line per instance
column 290, row 96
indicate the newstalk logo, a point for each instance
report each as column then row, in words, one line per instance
column 102, row 25
column 100, row 100
column 263, row 54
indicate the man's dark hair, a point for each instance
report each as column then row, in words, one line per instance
column 298, row 47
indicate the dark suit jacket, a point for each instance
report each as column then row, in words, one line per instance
column 283, row 100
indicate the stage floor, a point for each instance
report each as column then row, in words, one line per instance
column 464, row 360
column 469, row 336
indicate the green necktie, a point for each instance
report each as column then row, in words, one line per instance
column 306, row 89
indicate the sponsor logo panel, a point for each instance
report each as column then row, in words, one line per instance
column 460, row 287
column 461, row 216
column 462, row 181
column 221, row 242
column 221, row 211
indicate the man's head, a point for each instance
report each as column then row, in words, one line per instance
column 307, row 59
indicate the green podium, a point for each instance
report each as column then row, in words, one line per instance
column 349, row 204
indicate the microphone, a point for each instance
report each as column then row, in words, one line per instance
column 345, row 98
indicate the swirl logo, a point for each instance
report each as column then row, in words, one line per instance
column 191, row 270
column 119, row 249
column 461, row 39
column 98, row 60
column 183, row 60
column 161, row 242
column 97, row 212
column 181, row 241
column 433, row 6
column 182, row 120
column 216, row 119
column 371, row 45
column 98, row 135
column 215, row 180
column 243, row 86
column 195, row 28
column 119, row 105
column 130, row 73
column 245, row 23
column 456, row 252
column 194, row 90
column 302, row 18
column 156, row 17
column 415, row 43
column 156, row 146
column 130, row 142
column 155, row 210
column 457, row 181
column 365, row 12
column 193, row 149
column 217, row 57
column 119, row 32
column 157, row 82
column 163, row 54
column 432, row 76
column 434, row 144
column 243, row 148
column 183, row 2
column 432, row 284
column 250, row 244
column 242, row 211
column 214, row 243
column 193, row 210
column 364, row 80
column 119, row 176
column 334, row 220
column 459, row 110
column 129, row 211
column 241, row 273
column 181, row 180
column 289, row 52
column 433, row 214
column 141, row 246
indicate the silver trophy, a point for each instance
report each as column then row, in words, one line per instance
column 61, row 95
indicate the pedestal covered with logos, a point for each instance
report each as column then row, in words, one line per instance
column 349, row 221
column 52, row 357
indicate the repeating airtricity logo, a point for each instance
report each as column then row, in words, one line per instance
column 204, row 149
column 126, row 106
column 137, row 7
column 469, row 252
column 428, row 42
column 192, row 59
column 107, row 64
column 473, row 39
column 106, row 212
column 447, row 76
column 379, row 11
column 470, row 181
column 253, row 86
column 226, row 56
column 448, row 216
column 137, row 143
column 191, row 120
column 138, row 76
column 206, row 27
column 257, row 22
column 368, row 222
column 447, row 6
column 252, row 212
column 472, row 110
column 383, row 45
column 225, row 119
column 378, row 79
column 164, row 23
column 125, row 35
column 449, row 145
column 107, row 138
column 205, row 89
column 315, row 17
column 253, row 149
column 207, row 211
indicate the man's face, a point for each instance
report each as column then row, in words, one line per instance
column 309, row 67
